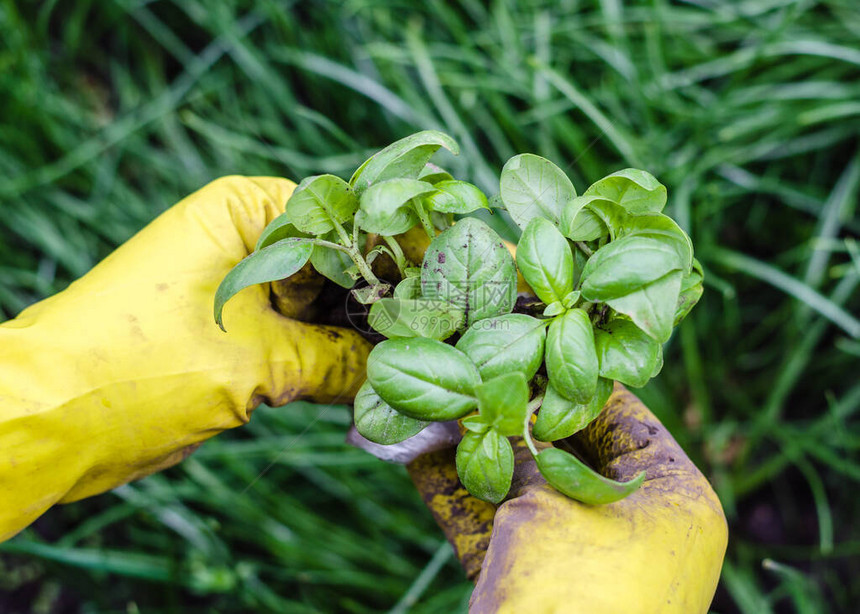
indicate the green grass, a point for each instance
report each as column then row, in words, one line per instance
column 748, row 111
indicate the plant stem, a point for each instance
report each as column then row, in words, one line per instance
column 337, row 246
column 532, row 408
column 397, row 253
column 584, row 248
column 343, row 236
column 350, row 248
column 425, row 219
column 363, row 267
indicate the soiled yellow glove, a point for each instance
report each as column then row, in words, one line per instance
column 658, row 550
column 125, row 372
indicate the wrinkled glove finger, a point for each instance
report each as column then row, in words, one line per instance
column 467, row 522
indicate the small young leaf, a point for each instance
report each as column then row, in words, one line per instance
column 531, row 186
column 590, row 217
column 626, row 265
column 661, row 227
column 385, row 207
column 278, row 261
column 545, row 261
column 320, row 202
column 691, row 292
column 279, row 228
column 405, row 159
column 379, row 422
column 553, row 309
column 625, row 353
column 571, row 360
column 512, row 342
column 434, row 174
column 476, row 423
column 423, row 378
column 652, row 307
column 503, row 402
column 421, row 317
column 573, row 478
column 408, row 288
column 469, row 266
column 354, row 273
column 367, row 295
column 455, row 197
column 485, row 464
column 559, row 418
column 636, row 190
column 570, row 299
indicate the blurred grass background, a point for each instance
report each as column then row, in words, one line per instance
column 749, row 111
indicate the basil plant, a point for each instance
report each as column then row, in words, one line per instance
column 611, row 275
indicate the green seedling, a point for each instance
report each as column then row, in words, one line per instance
column 613, row 273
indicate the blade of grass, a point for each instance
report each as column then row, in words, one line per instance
column 764, row 272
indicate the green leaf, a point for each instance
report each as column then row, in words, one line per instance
column 320, row 202
column 661, row 227
column 691, row 292
column 332, row 263
column 531, row 186
column 559, row 417
column 423, row 378
column 485, row 464
column 469, row 266
column 386, row 209
column 590, row 217
column 503, row 402
column 476, row 423
column 573, row 478
column 279, row 228
column 359, row 171
column 403, row 159
column 367, row 295
column 408, row 288
column 626, row 265
column 421, row 317
column 434, row 174
column 625, row 353
column 455, row 197
column 570, row 300
column 579, row 260
column 545, row 261
column 512, row 342
column 278, row 261
column 636, row 190
column 652, row 307
column 553, row 309
column 658, row 364
column 571, row 359
column 377, row 421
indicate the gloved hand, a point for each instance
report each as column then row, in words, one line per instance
column 658, row 550
column 125, row 372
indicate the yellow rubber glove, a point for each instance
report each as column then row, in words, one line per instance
column 125, row 372
column 658, row 550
